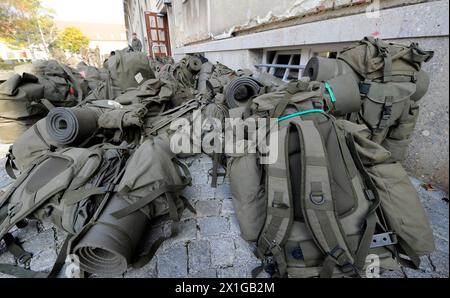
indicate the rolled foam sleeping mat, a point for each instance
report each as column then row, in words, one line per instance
column 194, row 64
column 346, row 97
column 71, row 126
column 240, row 90
column 109, row 245
column 323, row 69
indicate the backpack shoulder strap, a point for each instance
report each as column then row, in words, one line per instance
column 317, row 201
column 280, row 212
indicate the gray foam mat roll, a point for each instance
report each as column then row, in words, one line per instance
column 240, row 90
column 71, row 126
column 109, row 245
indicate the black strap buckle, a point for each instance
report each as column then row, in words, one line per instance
column 364, row 88
column 387, row 111
column 370, row 195
column 336, row 253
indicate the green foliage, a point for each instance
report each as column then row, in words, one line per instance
column 72, row 39
column 22, row 21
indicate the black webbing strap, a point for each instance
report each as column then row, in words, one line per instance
column 10, row 165
column 147, row 200
column 16, row 250
column 60, row 260
column 214, row 171
column 371, row 194
column 20, row 272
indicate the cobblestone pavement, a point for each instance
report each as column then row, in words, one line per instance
column 208, row 244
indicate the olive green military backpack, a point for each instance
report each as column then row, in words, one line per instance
column 102, row 197
column 129, row 69
column 331, row 199
column 392, row 83
column 22, row 94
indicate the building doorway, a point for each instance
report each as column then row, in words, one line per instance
column 158, row 34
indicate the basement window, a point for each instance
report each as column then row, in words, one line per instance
column 283, row 64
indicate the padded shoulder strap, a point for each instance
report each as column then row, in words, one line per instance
column 317, row 201
column 280, row 211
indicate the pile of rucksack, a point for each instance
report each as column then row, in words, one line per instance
column 335, row 198
column 104, row 166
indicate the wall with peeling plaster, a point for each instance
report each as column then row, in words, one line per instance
column 198, row 20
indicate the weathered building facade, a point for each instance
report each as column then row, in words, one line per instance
column 258, row 34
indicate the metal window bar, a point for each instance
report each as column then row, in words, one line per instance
column 286, row 66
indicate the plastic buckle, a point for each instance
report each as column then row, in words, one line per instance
column 269, row 266
column 387, row 111
column 369, row 194
column 364, row 88
column 335, row 253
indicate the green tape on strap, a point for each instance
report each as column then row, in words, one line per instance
column 300, row 114
column 330, row 91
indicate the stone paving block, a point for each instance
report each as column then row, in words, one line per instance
column 44, row 260
column 200, row 177
column 222, row 253
column 227, row 207
column 199, row 253
column 244, row 252
column 187, row 214
column 40, row 242
column 207, row 208
column 240, row 271
column 234, row 225
column 235, row 272
column 207, row 273
column 392, row 274
column 200, row 164
column 43, row 248
column 439, row 261
column 441, row 243
column 148, row 271
column 173, row 262
column 213, row 226
column 222, row 191
column 199, row 192
column 185, row 231
column 424, row 270
column 60, row 236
